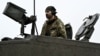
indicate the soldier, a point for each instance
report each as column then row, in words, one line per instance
column 53, row 26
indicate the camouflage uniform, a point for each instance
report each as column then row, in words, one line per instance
column 55, row 28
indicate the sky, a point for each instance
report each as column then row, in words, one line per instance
column 69, row 11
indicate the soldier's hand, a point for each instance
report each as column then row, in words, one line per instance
column 33, row 18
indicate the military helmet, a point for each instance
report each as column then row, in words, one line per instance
column 52, row 9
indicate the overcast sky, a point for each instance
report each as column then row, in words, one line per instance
column 69, row 11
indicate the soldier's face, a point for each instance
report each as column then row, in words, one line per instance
column 49, row 14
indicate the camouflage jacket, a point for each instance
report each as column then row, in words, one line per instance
column 54, row 29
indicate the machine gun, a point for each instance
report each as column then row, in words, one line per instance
column 18, row 14
column 87, row 28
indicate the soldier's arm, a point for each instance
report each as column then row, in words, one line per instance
column 62, row 30
column 43, row 30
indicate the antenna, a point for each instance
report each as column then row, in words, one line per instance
column 33, row 23
column 34, row 7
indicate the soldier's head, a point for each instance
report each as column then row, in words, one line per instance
column 50, row 11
